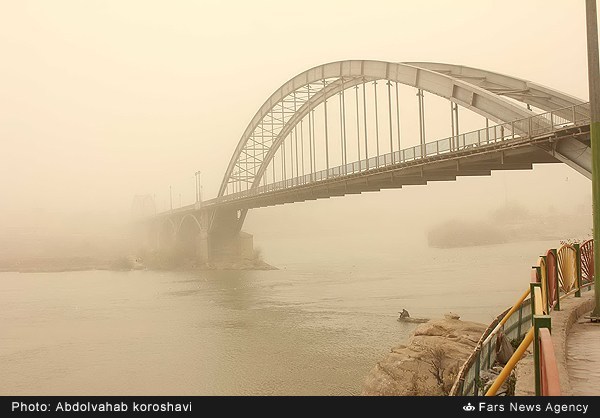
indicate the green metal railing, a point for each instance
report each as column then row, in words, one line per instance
column 559, row 273
column 518, row 130
column 509, row 324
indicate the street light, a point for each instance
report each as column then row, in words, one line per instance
column 198, row 187
column 594, row 89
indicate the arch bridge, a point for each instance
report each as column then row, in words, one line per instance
column 338, row 129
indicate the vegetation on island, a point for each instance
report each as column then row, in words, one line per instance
column 510, row 223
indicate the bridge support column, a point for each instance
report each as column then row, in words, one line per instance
column 202, row 246
column 155, row 233
column 239, row 246
column 227, row 241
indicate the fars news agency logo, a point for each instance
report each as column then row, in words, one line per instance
column 468, row 407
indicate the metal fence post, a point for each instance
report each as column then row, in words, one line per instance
column 477, row 370
column 539, row 321
column 534, row 302
column 556, row 283
column 578, row 269
column 520, row 320
column 538, row 272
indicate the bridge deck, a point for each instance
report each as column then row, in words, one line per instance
column 510, row 152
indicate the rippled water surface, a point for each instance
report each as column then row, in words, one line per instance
column 316, row 326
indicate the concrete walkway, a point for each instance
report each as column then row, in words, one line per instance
column 583, row 357
column 572, row 311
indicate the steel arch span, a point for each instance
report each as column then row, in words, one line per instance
column 335, row 130
column 497, row 97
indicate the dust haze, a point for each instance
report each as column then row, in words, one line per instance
column 104, row 100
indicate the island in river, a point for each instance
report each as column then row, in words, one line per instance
column 511, row 223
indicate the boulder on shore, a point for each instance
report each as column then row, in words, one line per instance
column 428, row 364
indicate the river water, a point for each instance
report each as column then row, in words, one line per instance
column 316, row 326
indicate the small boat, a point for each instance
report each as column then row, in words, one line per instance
column 405, row 317
column 414, row 320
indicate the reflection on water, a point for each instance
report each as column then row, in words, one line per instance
column 314, row 327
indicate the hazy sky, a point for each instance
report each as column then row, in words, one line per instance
column 103, row 99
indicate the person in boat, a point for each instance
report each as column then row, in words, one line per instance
column 404, row 314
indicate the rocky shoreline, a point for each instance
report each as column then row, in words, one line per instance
column 428, row 364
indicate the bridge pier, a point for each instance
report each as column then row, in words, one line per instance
column 202, row 246
column 238, row 246
column 181, row 238
column 165, row 236
column 227, row 240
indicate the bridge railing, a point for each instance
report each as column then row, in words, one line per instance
column 534, row 126
column 558, row 274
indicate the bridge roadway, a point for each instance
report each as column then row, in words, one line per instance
column 478, row 158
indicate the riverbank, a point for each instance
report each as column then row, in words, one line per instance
column 125, row 263
column 55, row 264
column 428, row 364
